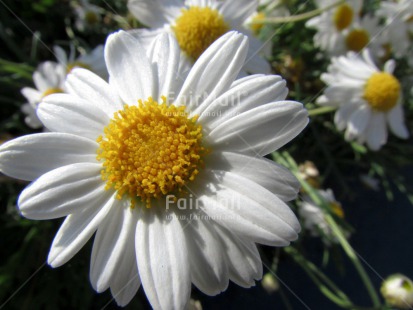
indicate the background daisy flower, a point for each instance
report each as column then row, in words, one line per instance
column 87, row 15
column 197, row 24
column 368, row 100
column 331, row 24
column 176, row 191
column 48, row 79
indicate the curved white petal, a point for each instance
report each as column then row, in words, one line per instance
column 76, row 230
column 275, row 178
column 248, row 93
column 248, row 209
column 70, row 114
column 129, row 68
column 155, row 13
column 395, row 119
column 113, row 236
column 90, row 87
column 214, row 72
column 237, row 12
column 377, row 132
column 162, row 257
column 30, row 156
column 165, row 55
column 261, row 130
column 209, row 270
column 358, row 122
column 62, row 191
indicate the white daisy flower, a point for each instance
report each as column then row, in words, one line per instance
column 196, row 24
column 368, row 100
column 176, row 191
column 48, row 79
column 312, row 216
column 87, row 15
column 399, row 24
column 93, row 61
column 331, row 24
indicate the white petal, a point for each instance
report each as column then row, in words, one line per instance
column 31, row 94
column 275, row 178
column 261, row 130
column 245, row 95
column 162, row 258
column 343, row 114
column 155, row 13
column 248, row 209
column 62, row 191
column 209, row 271
column 76, row 230
column 358, row 122
column 90, row 87
column 377, row 132
column 214, row 72
column 70, row 114
column 30, row 156
column 243, row 259
column 238, row 11
column 395, row 119
column 165, row 54
column 129, row 68
column 113, row 236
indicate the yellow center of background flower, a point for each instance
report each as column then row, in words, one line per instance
column 357, row 39
column 343, row 16
column 382, row 91
column 257, row 26
column 91, row 17
column 53, row 90
column 197, row 28
column 337, row 209
column 77, row 64
column 150, row 150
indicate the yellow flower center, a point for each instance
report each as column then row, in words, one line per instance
column 357, row 39
column 91, row 17
column 77, row 64
column 382, row 91
column 197, row 28
column 337, row 209
column 257, row 24
column 150, row 150
column 53, row 90
column 343, row 16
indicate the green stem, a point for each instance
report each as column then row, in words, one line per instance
column 296, row 18
column 321, row 110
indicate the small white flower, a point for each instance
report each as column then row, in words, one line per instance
column 198, row 23
column 87, row 15
column 48, row 79
column 368, row 100
column 331, row 25
column 399, row 24
column 397, row 290
column 93, row 61
column 312, row 216
column 167, row 169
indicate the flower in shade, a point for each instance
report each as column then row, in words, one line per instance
column 48, row 79
column 87, row 15
column 167, row 169
column 332, row 24
column 368, row 100
column 196, row 24
column 397, row 290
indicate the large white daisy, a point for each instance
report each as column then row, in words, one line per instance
column 332, row 24
column 48, row 79
column 368, row 99
column 176, row 191
column 196, row 24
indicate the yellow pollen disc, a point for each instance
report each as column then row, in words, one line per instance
column 382, row 91
column 77, row 64
column 257, row 26
column 91, row 17
column 357, row 39
column 150, row 150
column 197, row 28
column 337, row 209
column 343, row 16
column 53, row 90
